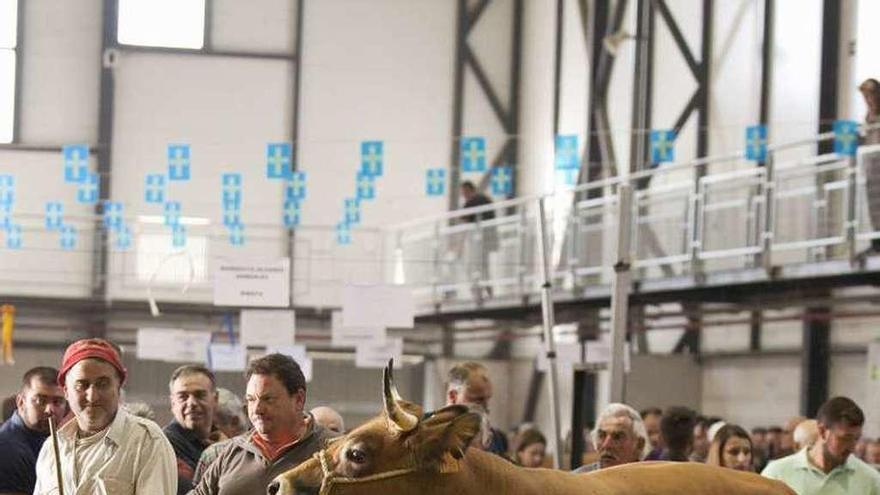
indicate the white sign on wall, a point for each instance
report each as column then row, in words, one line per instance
column 252, row 282
column 342, row 336
column 567, row 356
column 376, row 305
column 172, row 345
column 227, row 357
column 260, row 327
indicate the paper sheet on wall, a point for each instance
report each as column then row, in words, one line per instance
column 377, row 356
column 298, row 353
column 567, row 356
column 252, row 282
column 260, row 327
column 227, row 357
column 376, row 337
column 342, row 336
column 378, row 306
column 172, row 345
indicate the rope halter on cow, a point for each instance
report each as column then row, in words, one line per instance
column 331, row 478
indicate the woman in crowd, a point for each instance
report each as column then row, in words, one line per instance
column 531, row 446
column 731, row 448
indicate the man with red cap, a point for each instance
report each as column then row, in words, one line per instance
column 105, row 449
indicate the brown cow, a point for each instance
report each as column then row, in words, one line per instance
column 404, row 452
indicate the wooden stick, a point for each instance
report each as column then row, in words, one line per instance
column 54, row 434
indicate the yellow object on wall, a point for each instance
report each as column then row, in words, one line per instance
column 8, row 312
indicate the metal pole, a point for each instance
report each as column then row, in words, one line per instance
column 549, row 322
column 620, row 292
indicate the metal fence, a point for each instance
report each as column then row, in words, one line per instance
column 712, row 214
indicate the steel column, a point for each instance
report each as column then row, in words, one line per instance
column 104, row 151
column 19, row 43
column 508, row 117
column 828, row 97
column 814, row 359
column 294, row 134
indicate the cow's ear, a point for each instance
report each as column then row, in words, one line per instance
column 460, row 432
column 447, row 431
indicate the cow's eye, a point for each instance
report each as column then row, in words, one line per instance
column 356, row 456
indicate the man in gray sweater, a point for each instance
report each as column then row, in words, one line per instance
column 283, row 436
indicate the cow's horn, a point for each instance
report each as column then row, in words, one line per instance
column 401, row 419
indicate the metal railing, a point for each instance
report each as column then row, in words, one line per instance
column 689, row 219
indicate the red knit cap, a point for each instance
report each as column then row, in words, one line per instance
column 90, row 348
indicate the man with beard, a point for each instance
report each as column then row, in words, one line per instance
column 22, row 436
column 193, row 396
column 828, row 467
column 284, row 435
column 104, row 449
column 619, row 437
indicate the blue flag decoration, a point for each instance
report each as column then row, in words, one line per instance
column 372, row 158
column 502, row 181
column 172, row 213
column 54, row 215
column 846, row 137
column 756, row 143
column 236, row 235
column 291, row 213
column 87, row 190
column 366, row 187
column 13, row 237
column 7, row 189
column 566, row 177
column 295, row 188
column 154, row 188
column 123, row 238
column 113, row 215
column 352, row 211
column 662, row 146
column 179, row 162
column 231, row 191
column 473, row 154
column 76, row 162
column 343, row 234
column 5, row 216
column 435, row 182
column 68, row 237
column 231, row 217
column 178, row 236
column 567, row 152
column 279, row 157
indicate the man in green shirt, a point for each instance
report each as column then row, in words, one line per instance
column 828, row 466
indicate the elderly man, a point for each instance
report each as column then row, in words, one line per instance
column 620, row 437
column 193, row 396
column 828, row 467
column 468, row 384
column 105, row 449
column 39, row 399
column 283, row 437
column 328, row 418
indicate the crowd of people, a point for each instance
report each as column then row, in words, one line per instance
column 218, row 443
